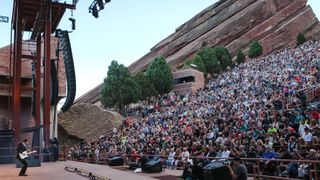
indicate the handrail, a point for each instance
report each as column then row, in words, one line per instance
column 217, row 158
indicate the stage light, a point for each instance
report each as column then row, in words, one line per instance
column 73, row 25
column 100, row 4
column 96, row 6
column 95, row 12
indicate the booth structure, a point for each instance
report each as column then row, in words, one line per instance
column 188, row 80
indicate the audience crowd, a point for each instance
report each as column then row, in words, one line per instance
column 258, row 109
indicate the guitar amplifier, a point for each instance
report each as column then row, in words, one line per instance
column 31, row 163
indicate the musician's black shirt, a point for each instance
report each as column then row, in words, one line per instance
column 21, row 148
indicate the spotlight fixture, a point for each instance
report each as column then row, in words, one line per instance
column 73, row 23
column 96, row 6
column 95, row 12
column 100, row 4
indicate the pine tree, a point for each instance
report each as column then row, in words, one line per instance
column 160, row 74
column 119, row 88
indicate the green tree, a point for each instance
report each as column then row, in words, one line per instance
column 119, row 88
column 210, row 60
column 301, row 39
column 223, row 56
column 160, row 74
column 198, row 62
column 255, row 49
column 146, row 87
column 240, row 57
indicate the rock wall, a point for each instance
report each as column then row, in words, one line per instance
column 234, row 23
column 87, row 121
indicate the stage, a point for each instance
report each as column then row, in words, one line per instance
column 56, row 171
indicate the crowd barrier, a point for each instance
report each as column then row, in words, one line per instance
column 257, row 172
column 257, row 164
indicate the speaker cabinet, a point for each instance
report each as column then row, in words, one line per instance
column 216, row 171
column 153, row 166
column 116, row 161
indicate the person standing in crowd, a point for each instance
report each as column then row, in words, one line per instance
column 239, row 171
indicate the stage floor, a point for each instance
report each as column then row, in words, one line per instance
column 55, row 171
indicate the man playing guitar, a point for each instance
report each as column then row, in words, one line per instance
column 21, row 155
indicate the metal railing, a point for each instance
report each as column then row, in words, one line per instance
column 257, row 163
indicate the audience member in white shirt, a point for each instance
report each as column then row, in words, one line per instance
column 302, row 126
column 225, row 152
column 307, row 136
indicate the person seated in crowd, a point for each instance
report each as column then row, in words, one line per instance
column 305, row 168
column 292, row 144
column 302, row 126
column 269, row 166
column 184, row 158
column 134, row 156
column 171, row 158
column 307, row 136
column 225, row 152
column 315, row 143
column 290, row 169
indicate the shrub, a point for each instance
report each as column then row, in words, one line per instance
column 198, row 62
column 255, row 49
column 223, row 56
column 301, row 39
column 212, row 65
column 240, row 57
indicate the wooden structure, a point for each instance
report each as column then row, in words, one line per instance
column 41, row 18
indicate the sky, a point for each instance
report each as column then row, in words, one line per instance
column 125, row 31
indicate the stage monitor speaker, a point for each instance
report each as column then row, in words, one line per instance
column 216, row 171
column 116, row 161
column 153, row 166
column 134, row 166
column 197, row 170
column 31, row 163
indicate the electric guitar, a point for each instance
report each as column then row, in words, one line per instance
column 25, row 154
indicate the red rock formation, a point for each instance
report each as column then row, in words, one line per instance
column 87, row 121
column 231, row 23
column 234, row 23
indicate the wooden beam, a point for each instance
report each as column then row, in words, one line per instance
column 37, row 26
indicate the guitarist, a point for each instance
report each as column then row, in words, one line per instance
column 22, row 147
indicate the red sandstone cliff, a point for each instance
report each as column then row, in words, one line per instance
column 231, row 23
column 234, row 23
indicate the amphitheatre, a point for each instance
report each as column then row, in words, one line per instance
column 232, row 93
